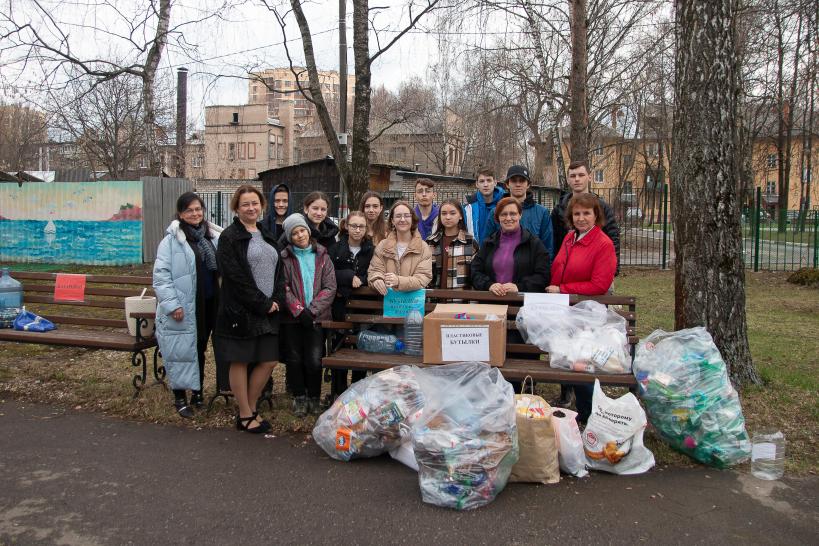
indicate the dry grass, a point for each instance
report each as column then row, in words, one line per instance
column 783, row 331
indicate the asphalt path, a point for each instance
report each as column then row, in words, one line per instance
column 79, row 478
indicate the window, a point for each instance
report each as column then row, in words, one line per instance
column 628, row 187
column 251, row 150
column 280, row 151
column 771, row 161
column 770, row 187
column 598, row 177
column 143, row 162
column 628, row 160
column 242, row 150
column 235, row 120
column 196, row 161
column 271, row 150
column 598, row 151
column 651, row 149
column 231, row 152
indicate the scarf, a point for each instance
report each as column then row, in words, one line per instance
column 203, row 245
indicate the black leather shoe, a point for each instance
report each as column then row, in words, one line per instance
column 197, row 401
column 183, row 409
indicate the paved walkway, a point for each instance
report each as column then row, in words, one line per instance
column 77, row 478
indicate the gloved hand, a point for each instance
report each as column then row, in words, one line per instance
column 306, row 318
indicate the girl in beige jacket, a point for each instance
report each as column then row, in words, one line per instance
column 402, row 261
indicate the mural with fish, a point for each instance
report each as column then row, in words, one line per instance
column 97, row 223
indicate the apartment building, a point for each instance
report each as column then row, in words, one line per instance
column 243, row 140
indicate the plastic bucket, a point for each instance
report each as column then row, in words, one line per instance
column 138, row 304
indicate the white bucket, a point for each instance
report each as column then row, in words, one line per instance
column 139, row 304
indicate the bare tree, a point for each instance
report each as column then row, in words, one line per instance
column 22, row 133
column 578, row 111
column 709, row 270
column 354, row 173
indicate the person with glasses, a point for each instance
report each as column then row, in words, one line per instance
column 186, row 286
column 402, row 261
column 351, row 257
column 425, row 209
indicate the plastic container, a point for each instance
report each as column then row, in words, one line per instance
column 11, row 291
column 768, row 454
column 140, row 304
column 414, row 334
column 376, row 342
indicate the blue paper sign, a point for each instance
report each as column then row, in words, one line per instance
column 399, row 304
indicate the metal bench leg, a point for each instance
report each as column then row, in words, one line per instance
column 159, row 369
column 138, row 359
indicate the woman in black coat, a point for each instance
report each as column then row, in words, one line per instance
column 351, row 257
column 252, row 291
column 530, row 262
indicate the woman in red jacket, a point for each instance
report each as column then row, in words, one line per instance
column 586, row 261
column 585, row 264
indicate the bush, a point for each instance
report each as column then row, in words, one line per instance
column 806, row 276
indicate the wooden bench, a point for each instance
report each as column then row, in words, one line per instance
column 98, row 322
column 365, row 306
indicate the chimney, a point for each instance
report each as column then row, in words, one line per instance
column 181, row 119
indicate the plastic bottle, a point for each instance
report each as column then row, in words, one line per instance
column 768, row 454
column 376, row 342
column 414, row 334
column 11, row 291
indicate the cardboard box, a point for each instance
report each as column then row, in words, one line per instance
column 447, row 339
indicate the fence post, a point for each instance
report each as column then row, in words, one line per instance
column 816, row 239
column 219, row 208
column 757, row 205
column 665, row 226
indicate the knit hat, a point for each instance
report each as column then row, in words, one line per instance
column 292, row 222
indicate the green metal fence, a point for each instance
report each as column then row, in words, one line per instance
column 646, row 232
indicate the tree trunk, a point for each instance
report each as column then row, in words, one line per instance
column 579, row 108
column 709, row 271
column 359, row 181
column 148, row 81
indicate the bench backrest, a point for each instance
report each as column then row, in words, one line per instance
column 104, row 303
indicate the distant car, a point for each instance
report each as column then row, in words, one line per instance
column 634, row 213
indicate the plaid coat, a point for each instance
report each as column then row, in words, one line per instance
column 461, row 251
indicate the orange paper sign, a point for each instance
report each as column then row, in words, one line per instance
column 69, row 287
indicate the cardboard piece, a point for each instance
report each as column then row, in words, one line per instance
column 448, row 339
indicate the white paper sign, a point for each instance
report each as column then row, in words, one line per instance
column 764, row 450
column 471, row 343
column 530, row 298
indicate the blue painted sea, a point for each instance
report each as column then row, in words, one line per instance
column 71, row 242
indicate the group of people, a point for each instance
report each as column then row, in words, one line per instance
column 262, row 286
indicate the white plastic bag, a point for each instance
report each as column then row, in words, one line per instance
column 613, row 437
column 365, row 421
column 586, row 337
column 569, row 443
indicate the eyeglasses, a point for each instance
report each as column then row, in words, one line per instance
column 356, row 226
column 196, row 210
column 402, row 217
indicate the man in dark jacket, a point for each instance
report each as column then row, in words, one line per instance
column 279, row 207
column 579, row 180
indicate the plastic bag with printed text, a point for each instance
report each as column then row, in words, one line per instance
column 690, row 401
column 365, row 421
column 465, row 441
column 585, row 337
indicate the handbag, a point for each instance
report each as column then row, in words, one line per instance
column 29, row 322
column 538, row 461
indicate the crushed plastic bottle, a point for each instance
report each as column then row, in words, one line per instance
column 376, row 342
column 768, row 455
column 414, row 334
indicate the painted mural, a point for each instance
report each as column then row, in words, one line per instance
column 98, row 223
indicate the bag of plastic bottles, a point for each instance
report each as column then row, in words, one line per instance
column 365, row 420
column 689, row 398
column 465, row 441
column 586, row 337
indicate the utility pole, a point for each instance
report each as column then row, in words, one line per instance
column 342, row 97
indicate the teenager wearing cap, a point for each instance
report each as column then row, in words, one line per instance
column 535, row 219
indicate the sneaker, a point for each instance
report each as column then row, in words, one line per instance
column 183, row 409
column 197, row 401
column 314, row 406
column 300, row 406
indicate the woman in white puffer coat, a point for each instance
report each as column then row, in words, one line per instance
column 187, row 288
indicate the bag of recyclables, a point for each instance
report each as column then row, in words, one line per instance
column 690, row 401
column 585, row 337
column 365, row 420
column 465, row 441
column 30, row 322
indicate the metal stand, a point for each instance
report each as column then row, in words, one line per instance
column 140, row 360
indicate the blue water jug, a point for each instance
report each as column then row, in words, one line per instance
column 11, row 291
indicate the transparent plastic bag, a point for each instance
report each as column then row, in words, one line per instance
column 690, row 400
column 465, row 441
column 570, row 454
column 585, row 337
column 365, row 421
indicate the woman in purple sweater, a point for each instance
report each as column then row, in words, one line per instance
column 511, row 260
